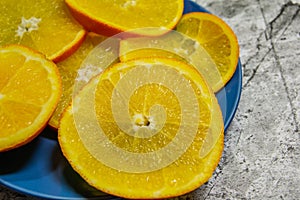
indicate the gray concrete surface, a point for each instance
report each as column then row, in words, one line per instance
column 262, row 146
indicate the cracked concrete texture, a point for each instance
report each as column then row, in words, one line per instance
column 262, row 146
column 262, row 153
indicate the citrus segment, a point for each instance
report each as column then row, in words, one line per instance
column 216, row 37
column 45, row 26
column 173, row 45
column 139, row 129
column 111, row 17
column 30, row 88
column 69, row 71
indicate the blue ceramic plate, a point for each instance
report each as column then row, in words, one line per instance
column 39, row 168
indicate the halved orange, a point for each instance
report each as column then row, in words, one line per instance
column 69, row 71
column 174, row 45
column 149, row 128
column 46, row 26
column 216, row 37
column 112, row 17
column 30, row 88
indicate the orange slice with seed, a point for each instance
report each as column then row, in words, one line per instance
column 149, row 128
column 45, row 26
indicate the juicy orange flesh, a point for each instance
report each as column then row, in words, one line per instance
column 133, row 13
column 171, row 45
column 185, row 174
column 26, row 103
column 174, row 45
column 69, row 70
column 29, row 91
column 146, row 53
column 32, row 80
column 216, row 37
column 8, row 123
column 141, row 102
column 55, row 30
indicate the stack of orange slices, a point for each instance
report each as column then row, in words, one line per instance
column 148, row 125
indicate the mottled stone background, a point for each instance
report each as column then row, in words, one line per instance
column 261, row 159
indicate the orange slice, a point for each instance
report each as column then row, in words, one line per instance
column 30, row 88
column 173, row 45
column 45, row 26
column 68, row 70
column 216, row 37
column 149, row 128
column 112, row 17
